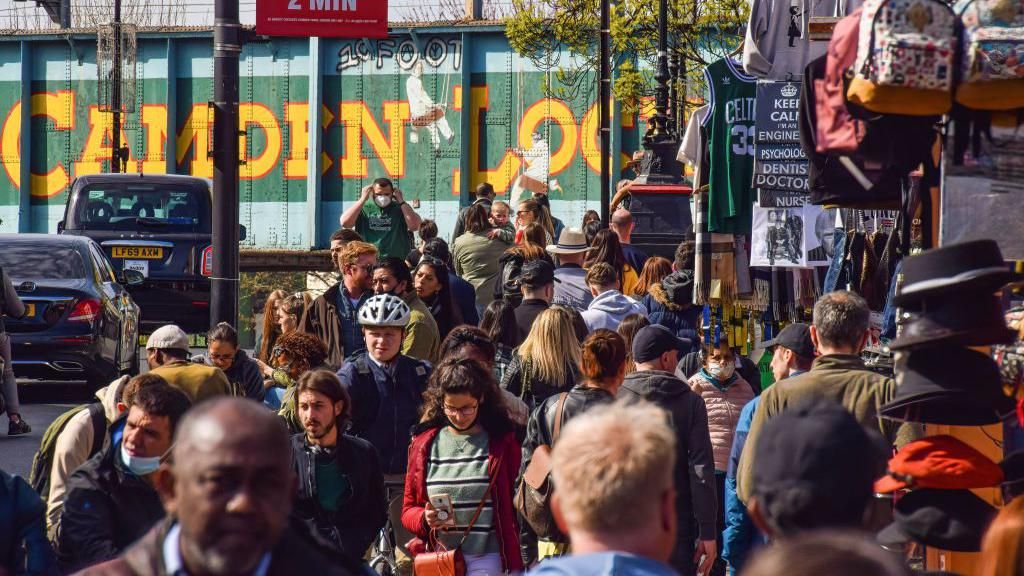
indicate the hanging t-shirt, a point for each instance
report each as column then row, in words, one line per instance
column 730, row 124
column 385, row 228
column 692, row 148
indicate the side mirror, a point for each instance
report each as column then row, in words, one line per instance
column 133, row 277
column 60, row 227
column 241, row 233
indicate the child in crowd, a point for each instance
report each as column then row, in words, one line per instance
column 503, row 228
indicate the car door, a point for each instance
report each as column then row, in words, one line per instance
column 129, row 319
column 110, row 331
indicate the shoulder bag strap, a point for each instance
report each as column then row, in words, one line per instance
column 480, row 506
column 558, row 416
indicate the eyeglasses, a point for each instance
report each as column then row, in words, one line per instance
column 467, row 411
column 221, row 356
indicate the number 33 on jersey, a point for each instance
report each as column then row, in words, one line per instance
column 730, row 130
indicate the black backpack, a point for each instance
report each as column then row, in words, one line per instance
column 42, row 462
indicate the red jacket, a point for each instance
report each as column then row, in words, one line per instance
column 506, row 523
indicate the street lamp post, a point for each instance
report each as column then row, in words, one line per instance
column 661, row 142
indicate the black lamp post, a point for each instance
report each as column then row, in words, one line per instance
column 661, row 142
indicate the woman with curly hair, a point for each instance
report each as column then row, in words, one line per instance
column 292, row 356
column 465, row 453
column 271, row 329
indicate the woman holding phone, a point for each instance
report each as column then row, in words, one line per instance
column 464, row 452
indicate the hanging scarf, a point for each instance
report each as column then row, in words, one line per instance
column 702, row 281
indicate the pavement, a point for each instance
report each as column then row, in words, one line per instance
column 41, row 402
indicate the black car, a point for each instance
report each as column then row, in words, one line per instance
column 80, row 323
column 156, row 224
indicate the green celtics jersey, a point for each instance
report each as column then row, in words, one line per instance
column 730, row 129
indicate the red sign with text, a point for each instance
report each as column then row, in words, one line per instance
column 327, row 18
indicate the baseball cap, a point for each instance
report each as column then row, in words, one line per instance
column 805, row 457
column 168, row 337
column 537, row 273
column 654, row 340
column 796, row 337
column 939, row 462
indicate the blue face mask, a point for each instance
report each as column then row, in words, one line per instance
column 139, row 465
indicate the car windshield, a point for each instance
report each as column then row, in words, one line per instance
column 126, row 206
column 24, row 261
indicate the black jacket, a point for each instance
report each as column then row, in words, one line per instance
column 510, row 267
column 244, row 374
column 24, row 548
column 535, row 389
column 695, row 464
column 362, row 513
column 541, row 425
column 106, row 509
column 670, row 304
column 294, row 553
column 526, row 313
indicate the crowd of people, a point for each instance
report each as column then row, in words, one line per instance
column 539, row 398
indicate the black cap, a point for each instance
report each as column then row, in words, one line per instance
column 1013, row 472
column 537, row 273
column 654, row 340
column 796, row 337
column 947, row 519
column 806, row 456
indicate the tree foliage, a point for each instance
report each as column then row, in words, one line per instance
column 699, row 32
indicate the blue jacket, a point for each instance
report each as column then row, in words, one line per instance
column 740, row 536
column 22, row 522
column 385, row 407
column 465, row 299
column 670, row 304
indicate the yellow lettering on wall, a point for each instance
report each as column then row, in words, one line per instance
column 503, row 175
column 590, row 141
column 296, row 115
column 556, row 110
column 357, row 120
column 60, row 107
column 154, row 119
column 262, row 117
column 98, row 144
column 10, row 142
column 195, row 135
column 326, row 118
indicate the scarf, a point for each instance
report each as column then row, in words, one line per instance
column 722, row 386
column 702, row 280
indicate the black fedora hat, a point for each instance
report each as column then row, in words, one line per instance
column 976, row 320
column 947, row 519
column 948, row 385
column 975, row 266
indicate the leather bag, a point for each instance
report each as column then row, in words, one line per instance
column 533, row 495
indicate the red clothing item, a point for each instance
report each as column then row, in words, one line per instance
column 505, row 448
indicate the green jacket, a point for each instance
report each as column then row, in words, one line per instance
column 422, row 338
column 476, row 261
column 841, row 378
column 198, row 381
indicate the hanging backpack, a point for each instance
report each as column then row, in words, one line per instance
column 992, row 69
column 42, row 462
column 905, row 54
column 533, row 495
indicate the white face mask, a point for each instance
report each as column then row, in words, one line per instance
column 721, row 371
column 382, row 200
column 139, row 465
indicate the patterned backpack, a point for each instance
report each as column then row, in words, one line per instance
column 905, row 56
column 993, row 54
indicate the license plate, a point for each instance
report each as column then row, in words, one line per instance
column 30, row 310
column 141, row 266
column 148, row 252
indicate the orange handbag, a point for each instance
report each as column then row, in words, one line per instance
column 451, row 562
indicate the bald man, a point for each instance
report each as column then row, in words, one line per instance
column 228, row 494
column 622, row 224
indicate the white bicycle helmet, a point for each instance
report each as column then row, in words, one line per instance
column 384, row 310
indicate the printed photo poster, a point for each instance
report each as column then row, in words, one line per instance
column 778, row 237
column 819, row 229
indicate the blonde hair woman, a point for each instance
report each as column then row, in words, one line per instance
column 546, row 362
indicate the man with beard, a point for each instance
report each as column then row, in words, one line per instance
column 226, row 496
column 386, row 222
column 341, row 489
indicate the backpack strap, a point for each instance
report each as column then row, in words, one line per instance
column 99, row 427
column 559, row 410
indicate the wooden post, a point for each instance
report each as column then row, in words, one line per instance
column 474, row 9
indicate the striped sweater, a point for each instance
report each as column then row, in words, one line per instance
column 458, row 467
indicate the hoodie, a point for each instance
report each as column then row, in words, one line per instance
column 670, row 304
column 695, row 469
column 609, row 308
